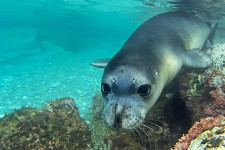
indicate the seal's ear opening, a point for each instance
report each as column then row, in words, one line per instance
column 100, row 63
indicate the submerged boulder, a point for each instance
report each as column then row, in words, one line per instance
column 204, row 95
column 57, row 126
column 204, row 91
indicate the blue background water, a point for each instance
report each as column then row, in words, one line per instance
column 46, row 47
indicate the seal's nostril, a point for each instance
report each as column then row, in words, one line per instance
column 118, row 121
column 119, row 112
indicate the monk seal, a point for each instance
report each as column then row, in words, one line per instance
column 150, row 59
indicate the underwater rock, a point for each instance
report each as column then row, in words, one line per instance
column 204, row 94
column 210, row 139
column 58, row 126
column 208, row 133
column 204, row 91
column 217, row 54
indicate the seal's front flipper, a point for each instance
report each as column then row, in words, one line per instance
column 100, row 63
column 196, row 59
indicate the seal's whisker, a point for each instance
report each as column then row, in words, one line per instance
column 144, row 132
column 148, row 132
column 139, row 134
column 143, row 136
column 162, row 122
column 131, row 132
column 135, row 132
column 149, row 128
column 154, row 124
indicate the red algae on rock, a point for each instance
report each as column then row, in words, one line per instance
column 217, row 106
column 214, row 81
column 203, row 125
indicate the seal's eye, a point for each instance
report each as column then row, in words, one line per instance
column 144, row 90
column 105, row 88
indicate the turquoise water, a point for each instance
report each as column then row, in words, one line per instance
column 47, row 45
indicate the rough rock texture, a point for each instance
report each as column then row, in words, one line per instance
column 217, row 54
column 204, row 91
column 58, row 126
column 210, row 139
column 202, row 134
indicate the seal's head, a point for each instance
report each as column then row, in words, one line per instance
column 128, row 95
column 150, row 59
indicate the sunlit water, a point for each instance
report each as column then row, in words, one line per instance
column 46, row 47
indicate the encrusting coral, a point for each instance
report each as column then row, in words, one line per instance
column 210, row 139
column 198, row 128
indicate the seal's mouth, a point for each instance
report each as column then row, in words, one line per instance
column 124, row 112
column 142, row 129
column 119, row 125
column 125, row 124
column 126, row 119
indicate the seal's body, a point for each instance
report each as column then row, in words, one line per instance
column 135, row 77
